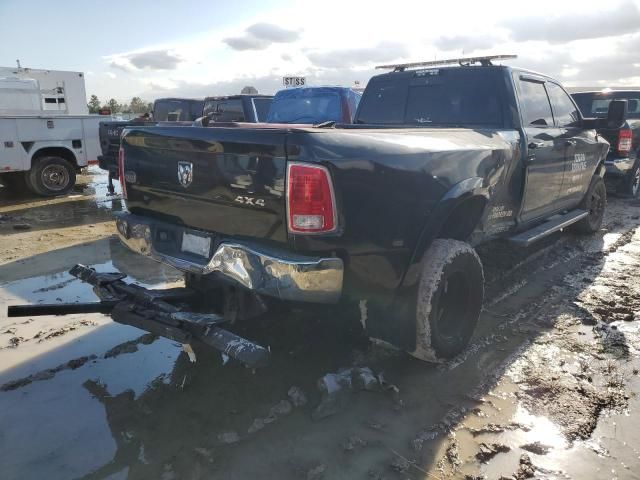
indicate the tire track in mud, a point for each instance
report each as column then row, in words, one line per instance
column 42, row 335
column 47, row 374
column 505, row 317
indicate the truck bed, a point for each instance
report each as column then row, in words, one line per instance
column 237, row 187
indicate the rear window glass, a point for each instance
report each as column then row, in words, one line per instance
column 597, row 104
column 177, row 110
column 456, row 96
column 224, row 110
column 306, row 105
column 262, row 108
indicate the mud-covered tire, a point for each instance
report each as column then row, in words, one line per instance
column 631, row 182
column 449, row 300
column 594, row 202
column 51, row 176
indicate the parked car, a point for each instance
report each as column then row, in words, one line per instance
column 235, row 108
column 623, row 161
column 164, row 110
column 314, row 105
column 383, row 214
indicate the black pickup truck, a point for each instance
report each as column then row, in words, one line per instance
column 164, row 110
column 236, row 108
column 623, row 161
column 176, row 111
column 383, row 214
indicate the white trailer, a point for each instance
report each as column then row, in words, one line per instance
column 60, row 91
column 46, row 135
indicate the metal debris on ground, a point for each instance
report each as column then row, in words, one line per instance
column 337, row 387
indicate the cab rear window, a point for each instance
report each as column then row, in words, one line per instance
column 455, row 96
column 597, row 104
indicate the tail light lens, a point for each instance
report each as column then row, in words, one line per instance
column 123, row 183
column 624, row 141
column 311, row 205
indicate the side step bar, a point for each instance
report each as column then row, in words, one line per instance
column 161, row 312
column 555, row 223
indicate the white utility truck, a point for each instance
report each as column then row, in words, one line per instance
column 46, row 133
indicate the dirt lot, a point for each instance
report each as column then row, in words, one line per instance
column 547, row 389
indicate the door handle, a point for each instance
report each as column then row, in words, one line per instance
column 570, row 143
column 533, row 145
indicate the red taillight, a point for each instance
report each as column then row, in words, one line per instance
column 311, row 206
column 123, row 183
column 624, row 141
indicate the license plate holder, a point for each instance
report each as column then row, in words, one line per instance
column 196, row 244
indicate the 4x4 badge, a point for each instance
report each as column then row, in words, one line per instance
column 185, row 173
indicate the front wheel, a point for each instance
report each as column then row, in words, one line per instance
column 449, row 300
column 632, row 181
column 51, row 176
column 594, row 203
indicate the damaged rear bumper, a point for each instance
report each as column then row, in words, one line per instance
column 268, row 272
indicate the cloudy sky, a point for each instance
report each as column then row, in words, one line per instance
column 155, row 48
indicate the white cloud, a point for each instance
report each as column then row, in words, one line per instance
column 146, row 60
column 331, row 48
column 577, row 25
column 260, row 36
column 349, row 57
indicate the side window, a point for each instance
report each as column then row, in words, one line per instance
column 230, row 111
column 210, row 107
column 534, row 103
column 262, row 108
column 565, row 111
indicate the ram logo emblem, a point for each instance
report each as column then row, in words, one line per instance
column 185, row 173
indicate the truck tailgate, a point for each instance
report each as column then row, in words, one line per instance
column 224, row 180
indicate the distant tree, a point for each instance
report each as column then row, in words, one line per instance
column 94, row 104
column 114, row 106
column 138, row 105
column 249, row 90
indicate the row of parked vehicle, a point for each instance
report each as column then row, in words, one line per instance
column 314, row 105
column 379, row 211
column 382, row 214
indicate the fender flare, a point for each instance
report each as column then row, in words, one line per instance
column 402, row 332
column 462, row 191
column 39, row 146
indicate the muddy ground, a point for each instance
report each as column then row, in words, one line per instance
column 547, row 389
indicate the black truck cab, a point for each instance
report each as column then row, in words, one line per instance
column 251, row 108
column 623, row 160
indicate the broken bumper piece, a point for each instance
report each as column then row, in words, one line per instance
column 160, row 312
column 272, row 273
